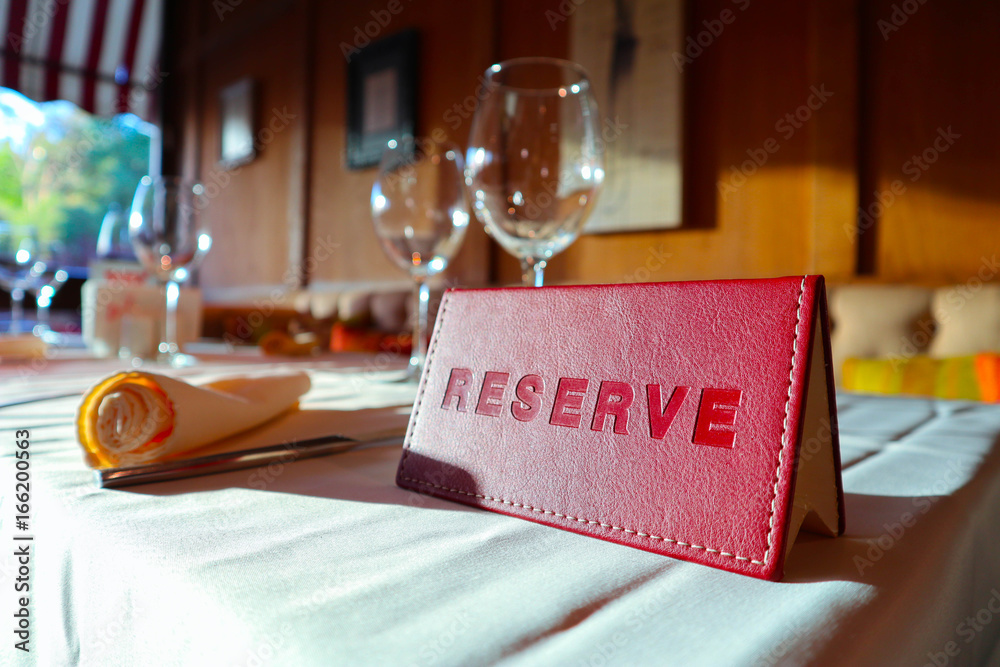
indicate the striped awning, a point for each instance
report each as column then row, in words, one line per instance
column 102, row 55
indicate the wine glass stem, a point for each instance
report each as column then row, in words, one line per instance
column 16, row 309
column 44, row 302
column 532, row 272
column 422, row 294
column 173, row 292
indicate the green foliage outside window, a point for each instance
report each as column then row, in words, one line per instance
column 62, row 174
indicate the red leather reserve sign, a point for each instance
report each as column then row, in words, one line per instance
column 666, row 417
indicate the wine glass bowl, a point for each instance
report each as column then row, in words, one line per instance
column 418, row 207
column 420, row 216
column 165, row 227
column 169, row 239
column 47, row 278
column 113, row 237
column 534, row 166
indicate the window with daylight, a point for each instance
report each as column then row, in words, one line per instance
column 63, row 172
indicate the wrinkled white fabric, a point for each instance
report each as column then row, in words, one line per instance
column 326, row 562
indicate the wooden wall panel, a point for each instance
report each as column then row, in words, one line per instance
column 456, row 47
column 797, row 212
column 284, row 212
column 743, row 221
column 832, row 218
column 252, row 210
column 933, row 73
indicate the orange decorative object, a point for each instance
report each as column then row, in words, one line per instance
column 345, row 338
column 275, row 343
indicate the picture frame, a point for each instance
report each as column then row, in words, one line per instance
column 236, row 123
column 381, row 97
column 639, row 87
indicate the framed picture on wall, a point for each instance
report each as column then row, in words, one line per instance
column 631, row 49
column 381, row 97
column 236, row 124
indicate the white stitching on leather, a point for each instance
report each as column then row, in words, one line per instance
column 784, row 425
column 582, row 520
column 639, row 533
column 438, row 325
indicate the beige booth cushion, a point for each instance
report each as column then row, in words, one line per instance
column 968, row 320
column 879, row 321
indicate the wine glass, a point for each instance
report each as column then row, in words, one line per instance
column 420, row 215
column 20, row 267
column 535, row 164
column 113, row 238
column 45, row 290
column 169, row 240
column 47, row 279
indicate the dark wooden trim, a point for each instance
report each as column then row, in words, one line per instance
column 867, row 231
column 237, row 26
column 299, row 248
column 699, row 123
column 494, row 253
column 171, row 99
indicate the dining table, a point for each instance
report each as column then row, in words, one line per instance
column 325, row 561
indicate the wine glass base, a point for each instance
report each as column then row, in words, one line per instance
column 175, row 360
column 414, row 370
column 408, row 375
column 178, row 360
column 398, row 377
column 48, row 335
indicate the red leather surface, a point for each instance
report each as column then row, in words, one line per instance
column 560, row 432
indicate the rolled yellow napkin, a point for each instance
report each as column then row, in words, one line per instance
column 135, row 418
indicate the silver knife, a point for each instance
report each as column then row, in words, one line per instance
column 110, row 478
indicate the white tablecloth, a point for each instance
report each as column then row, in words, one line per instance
column 326, row 562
